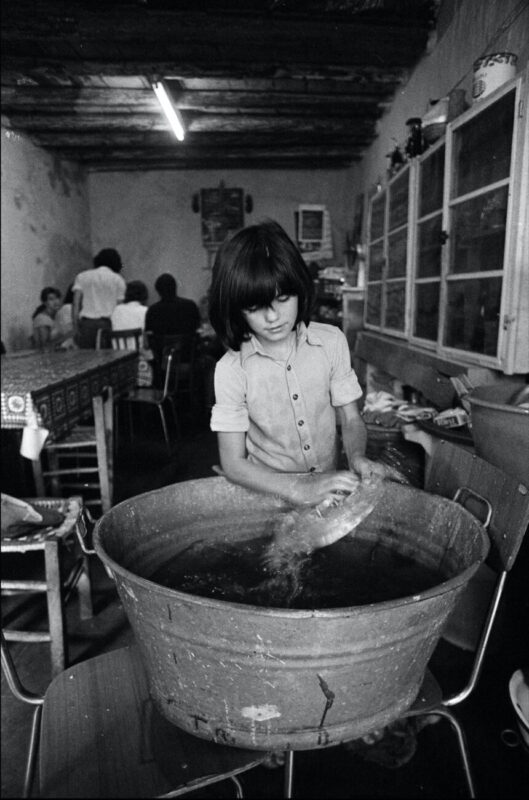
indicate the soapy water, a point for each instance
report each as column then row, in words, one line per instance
column 353, row 571
column 309, row 558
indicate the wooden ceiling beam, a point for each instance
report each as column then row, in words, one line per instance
column 208, row 142
column 54, row 100
column 206, row 123
column 45, row 69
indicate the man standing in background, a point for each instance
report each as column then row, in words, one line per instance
column 96, row 292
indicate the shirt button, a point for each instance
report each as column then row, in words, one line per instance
column 301, row 422
column 306, row 446
column 294, row 397
column 289, row 367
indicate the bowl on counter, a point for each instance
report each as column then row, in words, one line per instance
column 500, row 430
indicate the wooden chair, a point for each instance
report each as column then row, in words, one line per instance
column 502, row 504
column 73, row 463
column 127, row 339
column 159, row 398
column 64, row 571
column 101, row 736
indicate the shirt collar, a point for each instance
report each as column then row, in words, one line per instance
column 303, row 334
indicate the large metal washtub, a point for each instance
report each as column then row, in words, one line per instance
column 279, row 679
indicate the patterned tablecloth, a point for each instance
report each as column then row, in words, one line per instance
column 59, row 386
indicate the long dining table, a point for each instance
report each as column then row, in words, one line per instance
column 58, row 389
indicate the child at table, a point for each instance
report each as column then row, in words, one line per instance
column 284, row 381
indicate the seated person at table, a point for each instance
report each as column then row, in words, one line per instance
column 170, row 316
column 48, row 333
column 131, row 313
column 65, row 319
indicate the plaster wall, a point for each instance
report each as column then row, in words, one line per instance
column 45, row 231
column 147, row 216
column 476, row 27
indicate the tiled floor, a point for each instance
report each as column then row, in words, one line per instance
column 431, row 767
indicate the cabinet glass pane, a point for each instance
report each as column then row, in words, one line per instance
column 429, row 247
column 478, row 232
column 374, row 304
column 482, row 147
column 397, row 251
column 376, row 261
column 395, row 305
column 398, row 201
column 431, row 182
column 426, row 310
column 378, row 211
column 473, row 315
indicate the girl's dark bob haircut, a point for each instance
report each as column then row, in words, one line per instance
column 256, row 265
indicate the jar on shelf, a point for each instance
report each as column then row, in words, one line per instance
column 415, row 141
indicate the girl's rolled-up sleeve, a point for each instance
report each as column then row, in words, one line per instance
column 230, row 412
column 345, row 387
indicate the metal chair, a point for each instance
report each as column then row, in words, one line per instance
column 159, row 398
column 100, row 736
column 65, row 569
column 187, row 346
column 502, row 504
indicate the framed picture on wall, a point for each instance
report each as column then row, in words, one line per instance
column 310, row 226
column 222, row 213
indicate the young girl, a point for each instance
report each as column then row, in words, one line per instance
column 284, row 381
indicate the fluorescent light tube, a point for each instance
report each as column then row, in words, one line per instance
column 173, row 115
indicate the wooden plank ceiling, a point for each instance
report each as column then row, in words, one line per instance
column 259, row 83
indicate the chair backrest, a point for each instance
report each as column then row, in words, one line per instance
column 127, row 339
column 186, row 343
column 453, row 468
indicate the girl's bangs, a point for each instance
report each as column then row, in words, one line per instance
column 262, row 284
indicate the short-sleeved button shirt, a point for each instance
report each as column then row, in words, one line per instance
column 287, row 408
column 102, row 290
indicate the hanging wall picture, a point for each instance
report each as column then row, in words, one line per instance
column 222, row 213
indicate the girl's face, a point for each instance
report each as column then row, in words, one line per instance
column 52, row 303
column 272, row 324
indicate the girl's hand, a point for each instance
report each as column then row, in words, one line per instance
column 314, row 488
column 365, row 469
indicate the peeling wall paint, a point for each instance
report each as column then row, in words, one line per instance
column 45, row 231
column 148, row 217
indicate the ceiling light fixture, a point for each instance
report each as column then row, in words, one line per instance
column 171, row 112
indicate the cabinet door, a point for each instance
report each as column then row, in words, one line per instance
column 389, row 256
column 478, row 199
column 376, row 258
column 430, row 241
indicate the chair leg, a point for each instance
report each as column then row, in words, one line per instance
column 55, row 607
column 34, row 740
column 165, row 429
column 289, row 774
column 38, row 478
column 84, row 590
column 238, row 788
column 442, row 711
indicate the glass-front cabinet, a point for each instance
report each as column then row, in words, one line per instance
column 448, row 252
